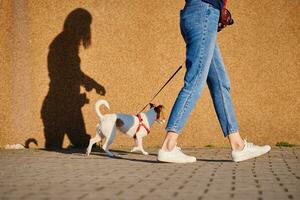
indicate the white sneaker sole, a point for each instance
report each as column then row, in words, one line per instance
column 249, row 156
column 175, row 161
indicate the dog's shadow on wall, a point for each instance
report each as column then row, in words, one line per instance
column 61, row 110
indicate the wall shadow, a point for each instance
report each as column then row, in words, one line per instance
column 61, row 110
column 29, row 141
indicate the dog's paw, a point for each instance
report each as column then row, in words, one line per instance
column 108, row 153
column 135, row 149
column 145, row 153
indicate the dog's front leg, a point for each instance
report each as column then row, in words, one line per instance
column 136, row 147
column 139, row 139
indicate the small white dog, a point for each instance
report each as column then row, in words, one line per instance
column 136, row 127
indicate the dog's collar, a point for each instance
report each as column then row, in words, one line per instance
column 141, row 124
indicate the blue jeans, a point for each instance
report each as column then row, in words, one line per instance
column 204, row 63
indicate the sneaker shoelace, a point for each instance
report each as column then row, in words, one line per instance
column 178, row 148
column 249, row 144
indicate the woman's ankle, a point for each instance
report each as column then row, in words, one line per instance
column 170, row 141
column 236, row 142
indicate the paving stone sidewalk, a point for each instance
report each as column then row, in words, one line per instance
column 69, row 174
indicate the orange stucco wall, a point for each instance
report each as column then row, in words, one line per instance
column 136, row 46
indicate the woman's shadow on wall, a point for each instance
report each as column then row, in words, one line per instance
column 61, row 110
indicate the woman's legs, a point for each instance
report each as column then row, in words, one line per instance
column 219, row 86
column 198, row 24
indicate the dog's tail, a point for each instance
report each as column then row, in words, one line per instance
column 99, row 103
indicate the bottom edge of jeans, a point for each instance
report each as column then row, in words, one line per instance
column 172, row 130
column 230, row 132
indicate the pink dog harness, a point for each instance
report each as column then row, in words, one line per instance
column 141, row 124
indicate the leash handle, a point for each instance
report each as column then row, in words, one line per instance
column 163, row 86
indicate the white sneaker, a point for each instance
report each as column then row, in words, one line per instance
column 175, row 156
column 249, row 151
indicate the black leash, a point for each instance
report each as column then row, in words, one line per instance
column 163, row 86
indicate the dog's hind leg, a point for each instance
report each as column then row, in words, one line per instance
column 109, row 139
column 94, row 140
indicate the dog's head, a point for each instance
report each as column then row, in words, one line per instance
column 160, row 116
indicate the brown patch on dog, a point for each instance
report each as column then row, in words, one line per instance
column 119, row 123
column 159, row 111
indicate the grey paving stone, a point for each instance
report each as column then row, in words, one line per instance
column 69, row 174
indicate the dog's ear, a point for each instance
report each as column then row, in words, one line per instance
column 159, row 108
column 151, row 105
